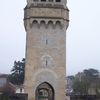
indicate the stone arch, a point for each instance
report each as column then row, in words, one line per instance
column 34, row 24
column 50, row 24
column 44, row 91
column 44, row 75
column 58, row 24
column 43, row 71
column 42, row 23
column 35, row 21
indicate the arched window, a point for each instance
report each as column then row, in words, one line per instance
column 34, row 23
column 58, row 24
column 50, row 24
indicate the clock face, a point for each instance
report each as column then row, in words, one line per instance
column 47, row 61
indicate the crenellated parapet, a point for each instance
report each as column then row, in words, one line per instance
column 48, row 3
column 47, row 11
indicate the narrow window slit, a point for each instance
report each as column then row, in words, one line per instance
column 46, row 63
column 46, row 41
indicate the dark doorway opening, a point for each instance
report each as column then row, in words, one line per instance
column 44, row 92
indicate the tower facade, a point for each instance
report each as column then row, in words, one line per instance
column 45, row 23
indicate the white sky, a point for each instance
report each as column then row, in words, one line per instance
column 83, row 35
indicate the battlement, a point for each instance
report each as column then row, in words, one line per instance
column 46, row 14
column 48, row 3
column 38, row 11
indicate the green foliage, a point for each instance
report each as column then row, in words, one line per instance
column 91, row 74
column 80, row 87
column 85, row 80
column 17, row 73
column 4, row 97
column 71, row 77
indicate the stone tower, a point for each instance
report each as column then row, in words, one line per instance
column 45, row 23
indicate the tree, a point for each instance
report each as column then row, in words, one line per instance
column 86, row 80
column 80, row 86
column 91, row 74
column 4, row 97
column 17, row 73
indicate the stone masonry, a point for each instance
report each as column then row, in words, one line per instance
column 45, row 24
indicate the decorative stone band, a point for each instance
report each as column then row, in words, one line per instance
column 42, row 12
column 46, row 23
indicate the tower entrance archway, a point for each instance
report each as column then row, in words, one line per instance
column 44, row 92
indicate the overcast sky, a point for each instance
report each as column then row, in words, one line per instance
column 83, row 35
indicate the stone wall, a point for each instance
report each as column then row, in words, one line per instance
column 13, row 97
column 84, row 97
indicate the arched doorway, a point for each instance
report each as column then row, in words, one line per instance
column 44, row 92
